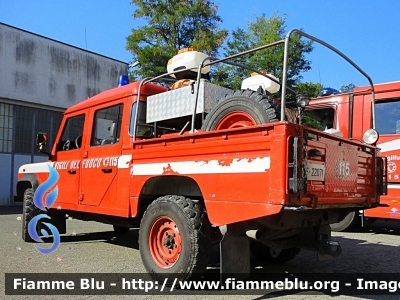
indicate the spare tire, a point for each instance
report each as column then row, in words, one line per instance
column 242, row 108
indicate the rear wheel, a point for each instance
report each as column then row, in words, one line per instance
column 29, row 211
column 174, row 238
column 263, row 253
column 243, row 108
column 351, row 221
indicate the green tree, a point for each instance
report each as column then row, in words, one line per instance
column 310, row 122
column 347, row 88
column 172, row 25
column 309, row 88
column 259, row 32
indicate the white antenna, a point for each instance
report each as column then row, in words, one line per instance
column 319, row 74
column 87, row 67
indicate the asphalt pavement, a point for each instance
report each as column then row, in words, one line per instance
column 91, row 247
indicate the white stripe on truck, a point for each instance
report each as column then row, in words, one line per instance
column 244, row 165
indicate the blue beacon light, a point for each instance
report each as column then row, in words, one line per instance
column 123, row 80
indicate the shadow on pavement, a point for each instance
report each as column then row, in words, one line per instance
column 129, row 240
column 381, row 226
column 10, row 210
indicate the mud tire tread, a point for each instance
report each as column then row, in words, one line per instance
column 196, row 231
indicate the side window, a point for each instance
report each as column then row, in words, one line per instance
column 72, row 134
column 107, row 126
column 132, row 120
column 388, row 117
column 320, row 119
column 143, row 130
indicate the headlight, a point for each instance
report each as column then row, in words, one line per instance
column 371, row 136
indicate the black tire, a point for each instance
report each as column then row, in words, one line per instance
column 263, row 253
column 351, row 221
column 120, row 229
column 29, row 211
column 190, row 222
column 260, row 107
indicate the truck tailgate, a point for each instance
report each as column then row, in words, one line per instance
column 331, row 170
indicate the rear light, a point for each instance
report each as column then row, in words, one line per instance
column 381, row 175
column 296, row 171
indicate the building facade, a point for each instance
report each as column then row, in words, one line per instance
column 39, row 79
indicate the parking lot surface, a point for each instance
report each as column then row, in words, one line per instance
column 91, row 247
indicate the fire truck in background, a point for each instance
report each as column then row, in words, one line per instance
column 351, row 113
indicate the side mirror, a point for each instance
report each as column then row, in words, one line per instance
column 302, row 100
column 112, row 129
column 41, row 141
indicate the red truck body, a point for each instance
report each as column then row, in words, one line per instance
column 239, row 173
column 226, row 167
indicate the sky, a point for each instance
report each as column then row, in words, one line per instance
column 366, row 31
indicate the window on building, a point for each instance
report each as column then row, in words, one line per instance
column 24, row 131
column 71, row 138
column 28, row 122
column 388, row 116
column 107, row 126
column 6, row 127
column 48, row 122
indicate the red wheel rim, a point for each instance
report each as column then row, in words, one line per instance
column 236, row 119
column 165, row 242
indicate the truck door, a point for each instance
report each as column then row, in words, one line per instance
column 388, row 126
column 68, row 155
column 99, row 170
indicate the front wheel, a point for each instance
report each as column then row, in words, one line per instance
column 174, row 238
column 29, row 211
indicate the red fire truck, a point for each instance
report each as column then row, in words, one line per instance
column 197, row 162
column 351, row 114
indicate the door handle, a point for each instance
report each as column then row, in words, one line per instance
column 72, row 171
column 107, row 170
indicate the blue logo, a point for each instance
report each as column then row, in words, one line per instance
column 49, row 201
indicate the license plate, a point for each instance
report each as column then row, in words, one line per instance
column 315, row 172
